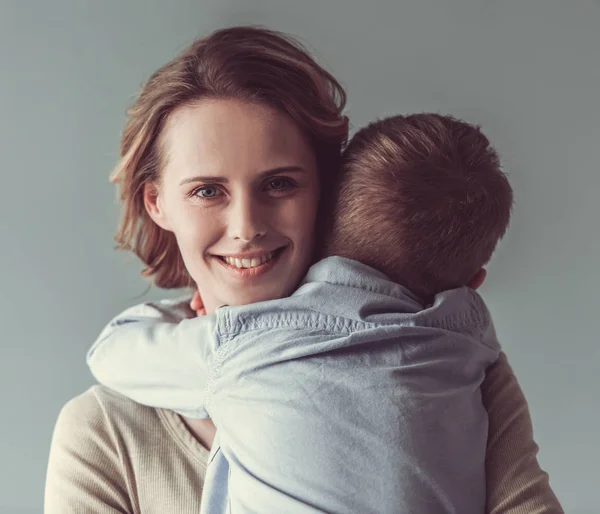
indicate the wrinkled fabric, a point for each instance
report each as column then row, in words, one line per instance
column 350, row 396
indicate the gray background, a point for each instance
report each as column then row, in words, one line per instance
column 527, row 70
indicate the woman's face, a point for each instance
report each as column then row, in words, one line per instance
column 239, row 189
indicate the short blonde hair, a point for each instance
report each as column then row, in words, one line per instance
column 248, row 63
column 423, row 200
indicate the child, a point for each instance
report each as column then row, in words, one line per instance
column 372, row 367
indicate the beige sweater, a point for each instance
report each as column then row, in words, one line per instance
column 111, row 455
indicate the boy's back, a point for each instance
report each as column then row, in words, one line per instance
column 349, row 396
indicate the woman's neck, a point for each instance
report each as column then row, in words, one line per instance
column 202, row 429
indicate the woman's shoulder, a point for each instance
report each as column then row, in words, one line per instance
column 103, row 415
column 109, row 450
column 89, row 465
column 99, row 403
column 99, row 409
column 101, row 423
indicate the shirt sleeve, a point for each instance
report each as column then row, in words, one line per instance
column 515, row 482
column 156, row 360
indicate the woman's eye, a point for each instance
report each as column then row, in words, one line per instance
column 280, row 184
column 206, row 192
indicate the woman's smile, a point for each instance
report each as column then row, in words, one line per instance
column 250, row 265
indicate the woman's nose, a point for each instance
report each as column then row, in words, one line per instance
column 245, row 222
column 249, row 236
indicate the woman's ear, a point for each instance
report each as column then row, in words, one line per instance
column 154, row 205
column 478, row 279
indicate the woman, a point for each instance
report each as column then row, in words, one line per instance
column 232, row 147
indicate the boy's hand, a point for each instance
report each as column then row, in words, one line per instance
column 197, row 305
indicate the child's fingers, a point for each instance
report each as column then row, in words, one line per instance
column 197, row 305
column 196, row 302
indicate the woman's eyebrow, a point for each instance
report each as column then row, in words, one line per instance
column 223, row 180
column 282, row 169
column 204, row 178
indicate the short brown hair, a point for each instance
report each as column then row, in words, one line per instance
column 247, row 63
column 422, row 199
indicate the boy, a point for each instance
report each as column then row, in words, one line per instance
column 360, row 392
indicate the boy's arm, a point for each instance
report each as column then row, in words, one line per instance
column 515, row 482
column 156, row 359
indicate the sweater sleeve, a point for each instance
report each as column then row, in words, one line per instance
column 515, row 482
column 84, row 469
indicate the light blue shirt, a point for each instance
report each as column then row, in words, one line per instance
column 350, row 396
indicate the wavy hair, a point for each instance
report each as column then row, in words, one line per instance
column 251, row 64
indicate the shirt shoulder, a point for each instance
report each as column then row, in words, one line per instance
column 85, row 471
column 108, row 450
column 101, row 411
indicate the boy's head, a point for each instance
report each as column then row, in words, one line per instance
column 422, row 199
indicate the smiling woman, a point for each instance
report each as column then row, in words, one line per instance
column 225, row 157
column 231, row 111
column 239, row 190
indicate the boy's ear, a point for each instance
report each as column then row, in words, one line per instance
column 477, row 279
column 154, row 207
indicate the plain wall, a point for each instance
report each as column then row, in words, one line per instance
column 527, row 70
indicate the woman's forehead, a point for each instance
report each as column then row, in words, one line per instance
column 217, row 136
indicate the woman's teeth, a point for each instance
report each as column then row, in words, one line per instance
column 248, row 263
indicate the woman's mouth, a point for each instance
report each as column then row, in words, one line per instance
column 243, row 262
column 250, row 265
